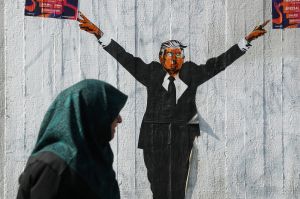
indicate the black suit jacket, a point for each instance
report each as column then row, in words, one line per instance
column 155, row 128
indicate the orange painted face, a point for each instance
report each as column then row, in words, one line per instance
column 172, row 60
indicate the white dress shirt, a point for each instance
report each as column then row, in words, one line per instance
column 179, row 85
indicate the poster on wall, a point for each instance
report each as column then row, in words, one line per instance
column 285, row 14
column 60, row 9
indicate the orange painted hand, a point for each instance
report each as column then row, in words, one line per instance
column 88, row 26
column 257, row 32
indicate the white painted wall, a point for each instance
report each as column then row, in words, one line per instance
column 2, row 99
column 250, row 114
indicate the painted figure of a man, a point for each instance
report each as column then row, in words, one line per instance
column 168, row 131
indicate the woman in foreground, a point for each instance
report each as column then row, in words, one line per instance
column 72, row 157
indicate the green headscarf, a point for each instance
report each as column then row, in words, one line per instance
column 77, row 128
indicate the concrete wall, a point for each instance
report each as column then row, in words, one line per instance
column 2, row 98
column 250, row 113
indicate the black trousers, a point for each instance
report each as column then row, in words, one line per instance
column 167, row 166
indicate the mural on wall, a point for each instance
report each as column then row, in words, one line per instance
column 170, row 124
column 62, row 9
column 286, row 14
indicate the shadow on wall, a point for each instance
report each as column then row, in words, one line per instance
column 193, row 171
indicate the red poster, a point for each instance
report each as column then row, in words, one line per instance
column 286, row 14
column 62, row 9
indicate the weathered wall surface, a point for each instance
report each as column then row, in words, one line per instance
column 250, row 113
column 2, row 98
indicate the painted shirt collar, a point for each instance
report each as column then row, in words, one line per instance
column 179, row 84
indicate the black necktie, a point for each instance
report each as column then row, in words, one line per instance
column 172, row 91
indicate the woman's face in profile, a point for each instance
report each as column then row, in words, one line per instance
column 114, row 124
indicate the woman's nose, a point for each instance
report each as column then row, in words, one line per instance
column 119, row 119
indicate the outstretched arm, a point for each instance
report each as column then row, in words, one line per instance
column 217, row 64
column 134, row 65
